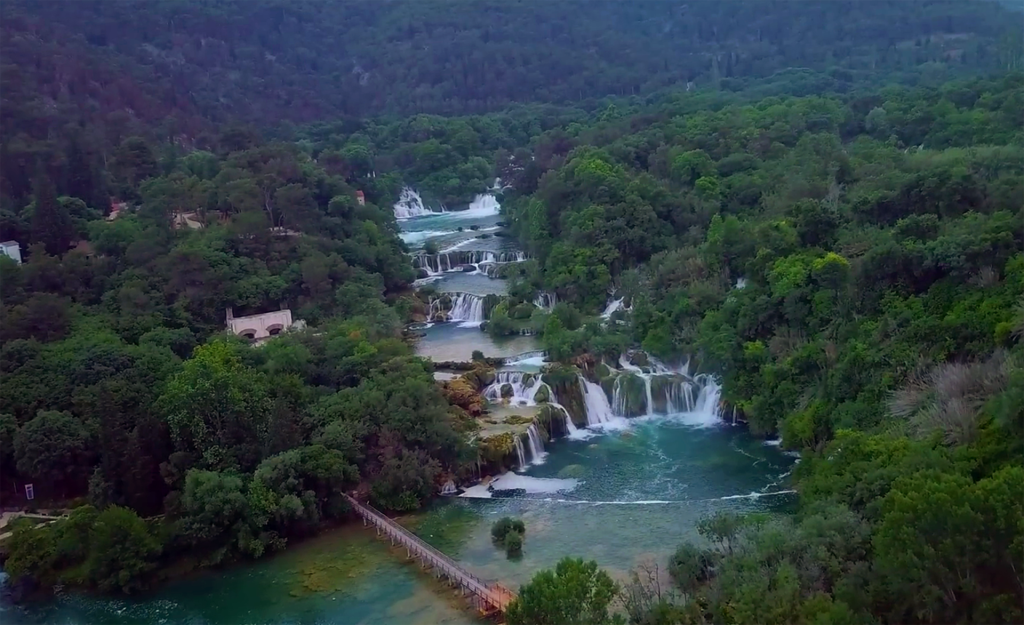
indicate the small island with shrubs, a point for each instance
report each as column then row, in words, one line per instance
column 509, row 533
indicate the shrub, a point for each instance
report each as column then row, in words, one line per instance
column 514, row 544
column 501, row 528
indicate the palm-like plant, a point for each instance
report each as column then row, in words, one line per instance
column 949, row 397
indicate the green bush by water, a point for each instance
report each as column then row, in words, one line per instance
column 506, row 525
column 514, row 544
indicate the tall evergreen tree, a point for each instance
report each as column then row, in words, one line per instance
column 51, row 224
column 83, row 178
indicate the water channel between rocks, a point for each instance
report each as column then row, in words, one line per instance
column 623, row 497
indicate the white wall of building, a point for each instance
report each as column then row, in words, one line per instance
column 12, row 250
column 260, row 326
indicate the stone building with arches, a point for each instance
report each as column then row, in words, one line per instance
column 260, row 327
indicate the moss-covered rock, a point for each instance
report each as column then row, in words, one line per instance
column 528, row 380
column 602, row 371
column 460, row 392
column 632, row 392
column 480, row 377
column 499, row 449
column 543, row 394
column 490, row 302
column 565, row 388
column 553, row 421
column 507, row 390
column 665, row 387
column 639, row 359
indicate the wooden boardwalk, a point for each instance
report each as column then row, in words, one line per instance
column 490, row 599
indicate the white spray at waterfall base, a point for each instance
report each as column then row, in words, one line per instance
column 467, row 309
column 410, row 205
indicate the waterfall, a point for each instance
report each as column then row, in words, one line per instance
column 467, row 309
column 483, row 205
column 520, row 452
column 571, row 430
column 596, row 403
column 410, row 205
column 610, row 309
column 524, row 387
column 545, row 300
column 536, row 444
column 698, row 397
column 709, row 400
column 535, row 359
column 458, row 260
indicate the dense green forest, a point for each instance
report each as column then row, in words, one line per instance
column 311, row 60
column 835, row 229
column 118, row 388
column 854, row 269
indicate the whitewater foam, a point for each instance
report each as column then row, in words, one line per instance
column 529, row 485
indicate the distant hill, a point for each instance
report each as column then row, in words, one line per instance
column 177, row 62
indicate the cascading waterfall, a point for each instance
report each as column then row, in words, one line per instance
column 483, row 205
column 524, row 387
column 435, row 264
column 612, row 306
column 467, row 308
column 545, row 300
column 596, row 403
column 698, row 396
column 520, row 452
column 537, row 359
column 570, row 428
column 410, row 205
column 536, row 444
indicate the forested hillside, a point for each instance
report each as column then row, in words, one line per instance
column 854, row 270
column 314, row 59
column 825, row 220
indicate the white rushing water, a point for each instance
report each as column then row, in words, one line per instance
column 455, row 260
column 530, row 485
column 410, row 205
column 611, row 308
column 536, row 444
column 545, row 300
column 467, row 309
column 696, row 399
column 527, row 359
column 483, row 205
column 521, row 453
column 524, row 387
column 599, row 412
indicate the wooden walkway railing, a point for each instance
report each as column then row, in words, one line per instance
column 489, row 598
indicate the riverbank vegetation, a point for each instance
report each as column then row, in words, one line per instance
column 120, row 390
